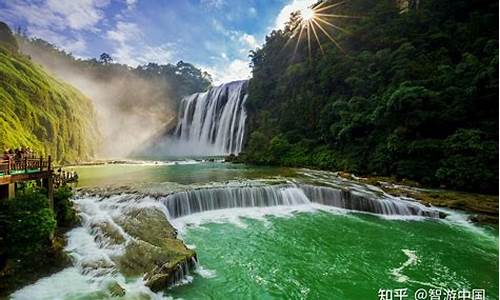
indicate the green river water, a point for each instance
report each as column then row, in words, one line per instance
column 274, row 253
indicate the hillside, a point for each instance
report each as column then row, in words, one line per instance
column 413, row 95
column 42, row 112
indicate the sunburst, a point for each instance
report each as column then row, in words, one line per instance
column 316, row 20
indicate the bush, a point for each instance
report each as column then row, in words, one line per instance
column 29, row 223
column 65, row 213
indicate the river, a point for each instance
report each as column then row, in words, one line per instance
column 271, row 233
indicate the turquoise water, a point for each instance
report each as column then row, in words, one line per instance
column 284, row 252
column 331, row 256
column 180, row 172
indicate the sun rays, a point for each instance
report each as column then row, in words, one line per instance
column 315, row 21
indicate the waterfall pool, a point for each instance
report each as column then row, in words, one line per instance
column 268, row 233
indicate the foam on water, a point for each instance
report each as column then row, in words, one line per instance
column 411, row 261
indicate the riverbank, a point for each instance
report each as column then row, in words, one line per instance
column 484, row 208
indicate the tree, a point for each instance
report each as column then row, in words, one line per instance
column 105, row 58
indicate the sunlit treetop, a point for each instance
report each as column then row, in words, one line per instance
column 314, row 21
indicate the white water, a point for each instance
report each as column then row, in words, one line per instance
column 208, row 199
column 210, row 123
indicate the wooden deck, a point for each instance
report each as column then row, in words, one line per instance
column 14, row 171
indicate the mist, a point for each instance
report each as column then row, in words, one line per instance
column 130, row 109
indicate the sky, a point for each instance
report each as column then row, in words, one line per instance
column 215, row 35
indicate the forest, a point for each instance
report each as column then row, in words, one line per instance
column 409, row 94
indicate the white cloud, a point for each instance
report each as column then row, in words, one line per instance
column 124, row 32
column 129, row 48
column 249, row 40
column 71, row 45
column 237, row 69
column 130, row 3
column 252, row 11
column 49, row 19
column 161, row 54
column 56, row 14
column 79, row 14
column 285, row 12
column 213, row 3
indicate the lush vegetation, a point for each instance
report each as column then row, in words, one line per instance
column 414, row 95
column 29, row 242
column 41, row 112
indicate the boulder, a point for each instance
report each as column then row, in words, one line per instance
column 155, row 251
column 116, row 290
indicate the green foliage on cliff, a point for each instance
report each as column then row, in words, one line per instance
column 414, row 96
column 42, row 112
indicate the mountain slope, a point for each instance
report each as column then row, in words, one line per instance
column 42, row 112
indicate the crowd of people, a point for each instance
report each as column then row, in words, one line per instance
column 18, row 154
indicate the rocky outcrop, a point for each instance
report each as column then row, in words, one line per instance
column 154, row 249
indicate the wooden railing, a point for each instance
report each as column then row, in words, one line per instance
column 13, row 166
column 63, row 177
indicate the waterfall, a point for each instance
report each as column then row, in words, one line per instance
column 357, row 201
column 206, row 199
column 211, row 123
column 190, row 202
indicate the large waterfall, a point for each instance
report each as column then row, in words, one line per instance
column 211, row 123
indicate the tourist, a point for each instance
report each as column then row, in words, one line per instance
column 18, row 155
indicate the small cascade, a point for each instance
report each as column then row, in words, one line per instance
column 354, row 200
column 181, row 273
column 207, row 199
column 211, row 123
column 200, row 200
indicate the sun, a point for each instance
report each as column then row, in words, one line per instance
column 315, row 20
column 307, row 14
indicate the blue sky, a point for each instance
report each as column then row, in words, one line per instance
column 215, row 35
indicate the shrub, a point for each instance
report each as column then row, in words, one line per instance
column 65, row 213
column 29, row 223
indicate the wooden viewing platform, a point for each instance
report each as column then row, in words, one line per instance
column 13, row 171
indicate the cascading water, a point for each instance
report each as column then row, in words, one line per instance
column 211, row 123
column 186, row 203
